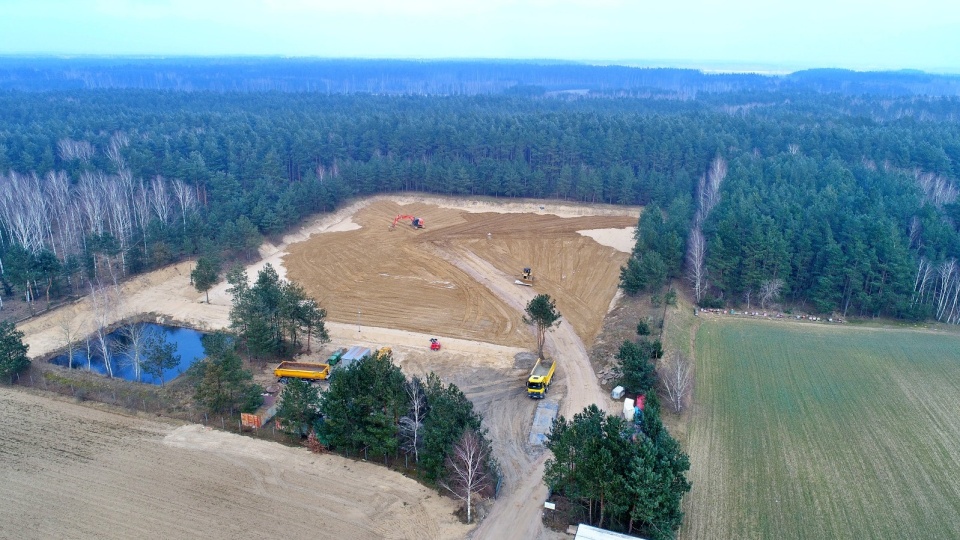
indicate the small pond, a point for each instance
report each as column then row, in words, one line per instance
column 188, row 347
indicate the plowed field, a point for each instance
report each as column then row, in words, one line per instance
column 404, row 278
column 70, row 471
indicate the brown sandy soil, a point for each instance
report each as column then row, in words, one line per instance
column 394, row 279
column 449, row 280
column 78, row 472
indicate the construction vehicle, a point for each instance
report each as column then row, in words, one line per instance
column 434, row 344
column 308, row 371
column 336, row 356
column 526, row 278
column 415, row 222
column 540, row 378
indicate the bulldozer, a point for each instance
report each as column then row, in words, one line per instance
column 415, row 222
column 526, row 278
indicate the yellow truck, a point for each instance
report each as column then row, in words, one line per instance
column 540, row 377
column 302, row 370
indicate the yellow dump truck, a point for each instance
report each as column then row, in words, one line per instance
column 540, row 377
column 302, row 370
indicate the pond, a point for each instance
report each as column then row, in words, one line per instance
column 187, row 342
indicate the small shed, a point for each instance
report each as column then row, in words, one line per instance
column 586, row 532
column 352, row 355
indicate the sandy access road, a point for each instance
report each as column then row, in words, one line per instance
column 458, row 274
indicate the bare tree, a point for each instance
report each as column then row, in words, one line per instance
column 747, row 296
column 186, row 199
column 70, row 150
column 136, row 338
column 69, row 332
column 708, row 190
column 924, row 273
column 23, row 211
column 945, row 272
column 118, row 141
column 92, row 202
column 411, row 425
column 769, row 291
column 118, row 193
column 467, row 472
column 141, row 209
column 160, row 200
column 676, row 378
column 103, row 302
column 936, row 189
column 696, row 263
column 62, row 215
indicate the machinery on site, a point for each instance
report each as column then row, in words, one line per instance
column 415, row 222
column 540, row 378
column 434, row 344
column 307, row 371
column 526, row 278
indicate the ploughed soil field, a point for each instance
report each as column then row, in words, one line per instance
column 70, row 471
column 407, row 278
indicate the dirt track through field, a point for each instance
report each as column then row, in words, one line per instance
column 450, row 280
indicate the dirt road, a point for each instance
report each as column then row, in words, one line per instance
column 517, row 512
column 71, row 471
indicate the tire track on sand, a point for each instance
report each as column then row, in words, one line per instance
column 517, row 514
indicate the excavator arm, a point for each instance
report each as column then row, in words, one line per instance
column 416, row 222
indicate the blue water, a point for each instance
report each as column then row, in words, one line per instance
column 188, row 347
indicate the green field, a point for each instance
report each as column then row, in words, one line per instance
column 809, row 431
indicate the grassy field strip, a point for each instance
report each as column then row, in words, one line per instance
column 806, row 432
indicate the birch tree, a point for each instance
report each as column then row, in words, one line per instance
column 186, row 199
column 92, row 202
column 696, row 263
column 69, row 331
column 676, row 379
column 103, row 303
column 23, row 211
column 411, row 425
column 160, row 200
column 135, row 339
column 467, row 473
column 140, row 202
column 770, row 291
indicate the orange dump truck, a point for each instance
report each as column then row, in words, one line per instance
column 302, row 370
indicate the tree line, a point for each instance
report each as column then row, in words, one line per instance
column 620, row 475
column 102, row 184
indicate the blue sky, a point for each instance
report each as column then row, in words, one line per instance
column 738, row 34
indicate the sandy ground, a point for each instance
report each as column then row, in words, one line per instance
column 450, row 280
column 394, row 278
column 78, row 472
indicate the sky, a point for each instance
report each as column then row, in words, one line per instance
column 755, row 35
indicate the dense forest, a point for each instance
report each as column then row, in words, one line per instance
column 841, row 193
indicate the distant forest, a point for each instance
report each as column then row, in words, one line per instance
column 841, row 186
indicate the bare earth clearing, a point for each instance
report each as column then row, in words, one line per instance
column 450, row 280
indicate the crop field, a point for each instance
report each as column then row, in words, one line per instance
column 807, row 431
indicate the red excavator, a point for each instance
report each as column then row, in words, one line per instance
column 416, row 222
